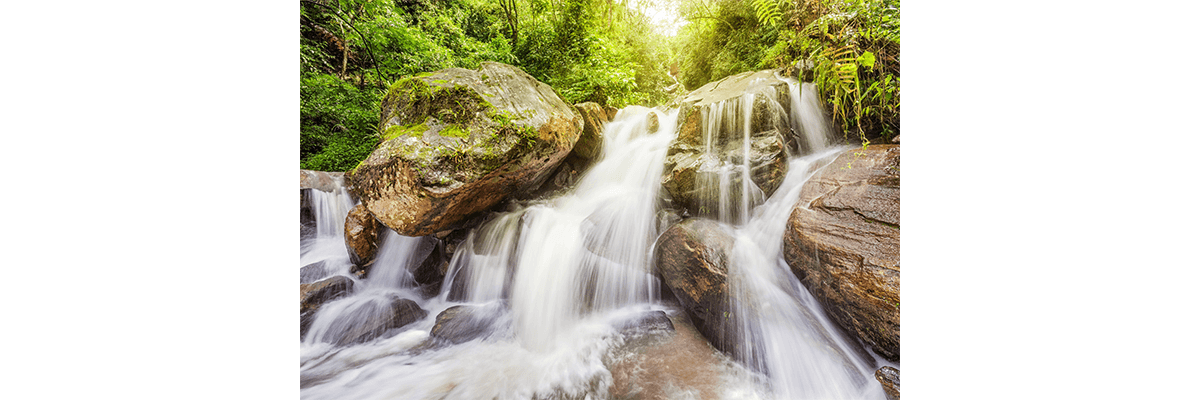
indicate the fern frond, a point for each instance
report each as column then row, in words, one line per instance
column 767, row 11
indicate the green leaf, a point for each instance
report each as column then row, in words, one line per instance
column 867, row 59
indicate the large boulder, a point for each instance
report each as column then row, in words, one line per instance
column 362, row 235
column 843, row 242
column 692, row 260
column 456, row 142
column 712, row 139
column 587, row 150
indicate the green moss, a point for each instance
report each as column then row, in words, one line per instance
column 454, row 130
column 414, row 130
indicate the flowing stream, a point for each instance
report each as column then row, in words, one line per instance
column 559, row 281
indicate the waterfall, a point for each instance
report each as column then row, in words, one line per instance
column 562, row 275
column 390, row 279
column 325, row 247
column 599, row 238
column 785, row 333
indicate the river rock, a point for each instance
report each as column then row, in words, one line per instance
column 692, row 175
column 843, row 242
column 591, row 140
column 456, row 142
column 308, row 221
column 362, row 235
column 649, row 321
column 399, row 313
column 313, row 272
column 662, row 364
column 890, row 379
column 464, row 323
column 711, row 138
column 314, row 295
column 692, row 260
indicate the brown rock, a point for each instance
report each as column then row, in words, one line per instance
column 843, row 242
column 457, row 142
column 692, row 176
column 692, row 260
column 591, row 141
column 611, row 112
column 314, row 295
column 463, row 323
column 890, row 379
column 398, row 313
column 693, row 168
column 657, row 364
column 362, row 235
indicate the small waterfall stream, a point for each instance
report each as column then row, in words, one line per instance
column 560, row 278
column 325, row 246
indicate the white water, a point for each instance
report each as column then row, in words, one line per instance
column 328, row 244
column 564, row 274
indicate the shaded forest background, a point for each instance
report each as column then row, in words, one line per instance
column 605, row 51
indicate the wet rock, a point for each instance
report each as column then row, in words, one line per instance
column 657, row 366
column 693, row 177
column 428, row 260
column 611, row 112
column 457, row 142
column 692, row 260
column 890, row 379
column 314, row 295
column 712, row 140
column 308, row 220
column 362, row 235
column 843, row 242
column 726, row 99
column 313, row 272
column 399, row 313
column 591, row 140
column 650, row 321
column 896, row 139
column 320, row 180
column 652, row 123
column 464, row 323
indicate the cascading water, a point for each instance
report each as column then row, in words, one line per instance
column 373, row 297
column 808, row 119
column 325, row 247
column 561, row 276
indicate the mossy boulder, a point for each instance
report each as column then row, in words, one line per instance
column 456, row 142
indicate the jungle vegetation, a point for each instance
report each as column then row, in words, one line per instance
column 605, row 51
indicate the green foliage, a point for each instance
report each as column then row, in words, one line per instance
column 351, row 50
column 724, row 38
column 852, row 45
column 337, row 122
column 767, row 12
